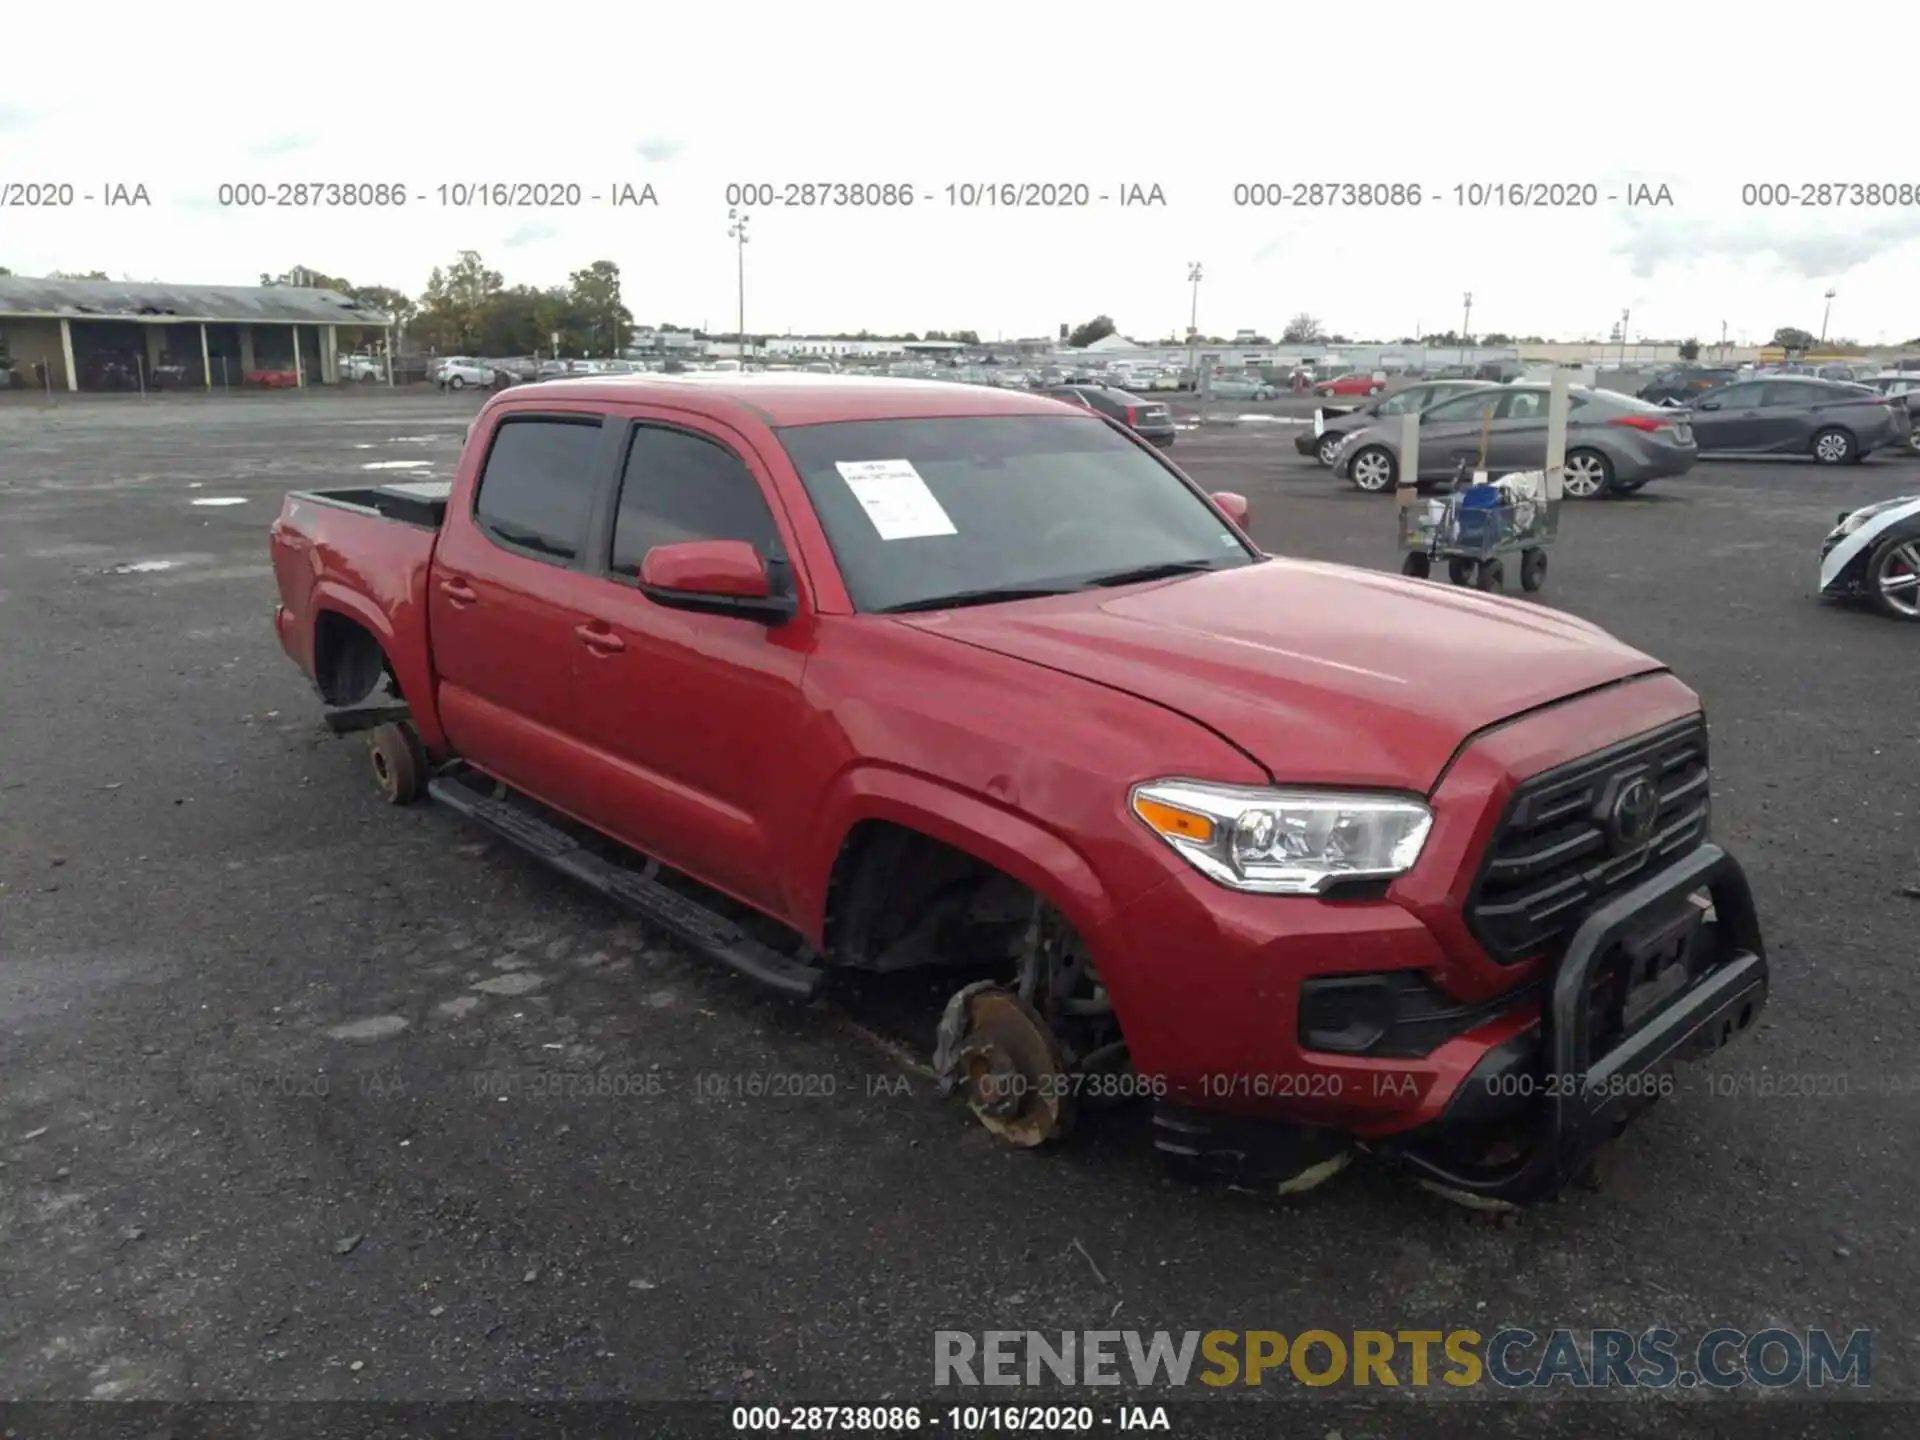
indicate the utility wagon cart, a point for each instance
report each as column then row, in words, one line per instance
column 1475, row 526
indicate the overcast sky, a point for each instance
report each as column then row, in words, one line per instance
column 1192, row 100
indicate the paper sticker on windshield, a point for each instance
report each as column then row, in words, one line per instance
column 896, row 499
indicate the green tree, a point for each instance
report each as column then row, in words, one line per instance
column 79, row 275
column 603, row 322
column 384, row 298
column 1097, row 328
column 1301, row 329
column 1689, row 349
column 1496, row 337
column 454, row 308
column 4, row 270
column 1789, row 337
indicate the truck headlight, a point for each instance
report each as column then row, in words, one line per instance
column 1284, row 842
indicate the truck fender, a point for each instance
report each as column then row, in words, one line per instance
column 412, row 671
column 1010, row 842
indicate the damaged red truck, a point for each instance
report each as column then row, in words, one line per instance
column 830, row 675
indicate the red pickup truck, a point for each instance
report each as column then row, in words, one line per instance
column 831, row 675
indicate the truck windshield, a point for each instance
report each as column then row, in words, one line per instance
column 973, row 510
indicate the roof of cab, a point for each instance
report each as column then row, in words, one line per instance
column 792, row 398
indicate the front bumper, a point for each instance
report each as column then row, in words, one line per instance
column 1306, row 442
column 1547, row 1083
column 1573, row 1096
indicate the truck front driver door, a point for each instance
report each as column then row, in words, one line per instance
column 689, row 716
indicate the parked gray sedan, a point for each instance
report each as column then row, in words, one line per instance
column 1615, row 443
column 1835, row 423
column 1332, row 424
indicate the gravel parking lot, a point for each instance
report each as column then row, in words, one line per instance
column 287, row 1112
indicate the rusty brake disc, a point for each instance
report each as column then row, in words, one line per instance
column 1012, row 1070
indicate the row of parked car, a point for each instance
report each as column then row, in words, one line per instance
column 1616, row 443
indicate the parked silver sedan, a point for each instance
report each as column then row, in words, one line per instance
column 1615, row 443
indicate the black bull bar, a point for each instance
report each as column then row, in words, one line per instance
column 1581, row 1098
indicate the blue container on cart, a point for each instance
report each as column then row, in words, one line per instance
column 1478, row 516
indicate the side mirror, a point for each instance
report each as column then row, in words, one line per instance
column 1234, row 505
column 714, row 577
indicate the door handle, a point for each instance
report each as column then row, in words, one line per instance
column 603, row 641
column 458, row 591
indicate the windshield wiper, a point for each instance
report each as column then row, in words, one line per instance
column 987, row 596
column 1166, row 570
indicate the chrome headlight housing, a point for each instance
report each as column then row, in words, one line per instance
column 1282, row 841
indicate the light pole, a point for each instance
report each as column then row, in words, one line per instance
column 1466, row 324
column 737, row 232
column 1193, row 325
column 1826, row 315
column 1625, row 317
column 1723, row 341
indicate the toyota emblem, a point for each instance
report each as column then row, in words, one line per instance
column 1636, row 810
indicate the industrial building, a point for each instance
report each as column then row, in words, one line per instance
column 58, row 334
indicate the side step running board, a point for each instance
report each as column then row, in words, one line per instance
column 712, row 934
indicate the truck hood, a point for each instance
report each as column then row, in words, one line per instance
column 1322, row 673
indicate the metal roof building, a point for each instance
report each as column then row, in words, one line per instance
column 125, row 335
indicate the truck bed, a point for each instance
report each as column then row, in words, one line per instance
column 412, row 502
column 360, row 556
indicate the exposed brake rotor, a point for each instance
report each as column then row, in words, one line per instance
column 1004, row 1056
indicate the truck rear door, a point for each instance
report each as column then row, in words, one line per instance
column 500, row 618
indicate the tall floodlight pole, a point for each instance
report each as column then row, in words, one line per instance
column 1826, row 315
column 737, row 232
column 1193, row 325
column 1466, row 324
column 1625, row 316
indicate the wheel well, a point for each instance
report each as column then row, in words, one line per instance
column 899, row 898
column 348, row 663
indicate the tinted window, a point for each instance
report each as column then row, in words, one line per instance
column 1406, row 400
column 681, row 487
column 1799, row 392
column 1734, row 397
column 1523, row 405
column 537, row 488
column 1471, row 406
column 946, row 506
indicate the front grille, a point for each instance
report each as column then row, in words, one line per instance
column 1555, row 855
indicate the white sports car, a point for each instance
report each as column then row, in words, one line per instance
column 1873, row 556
